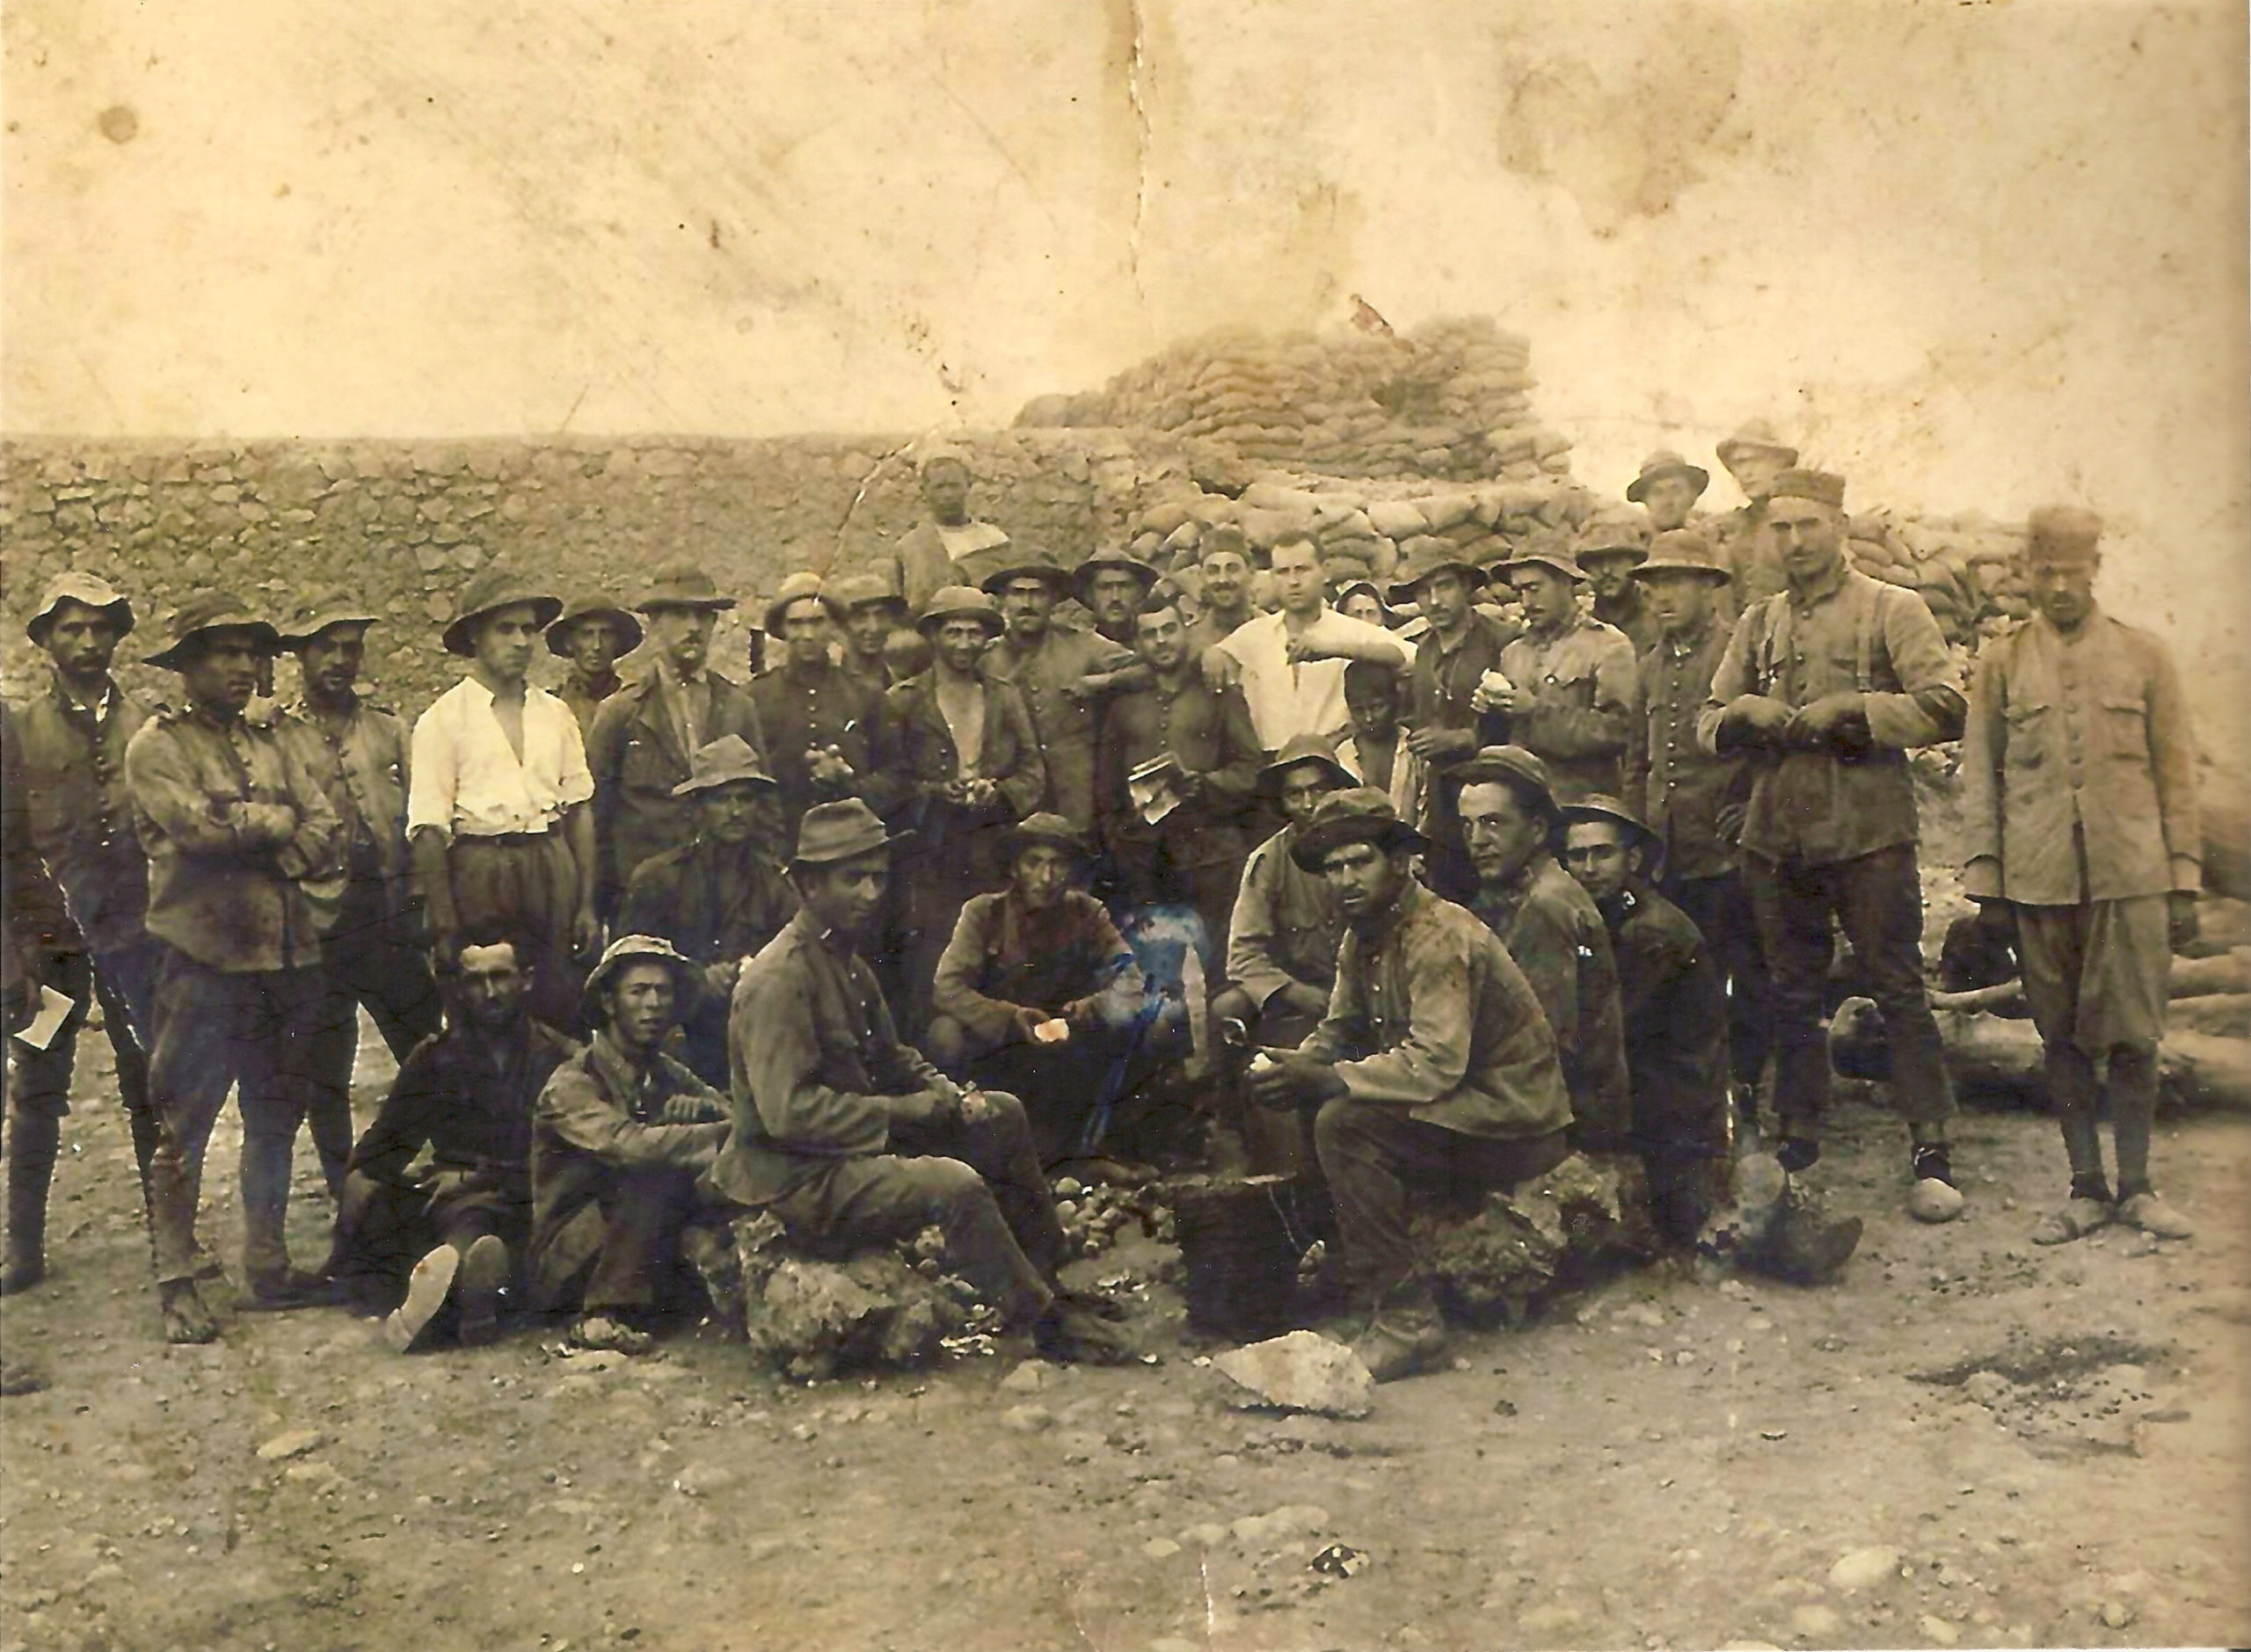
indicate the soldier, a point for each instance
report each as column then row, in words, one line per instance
column 718, row 898
column 496, row 801
column 873, row 613
column 1111, row 585
column 1433, row 1072
column 466, row 1095
column 1463, row 644
column 619, row 1135
column 1064, row 677
column 594, row 636
column 1668, row 488
column 1755, row 456
column 1610, row 546
column 827, row 732
column 1569, row 693
column 372, row 952
column 1223, row 573
column 850, row 1137
column 1195, row 853
column 242, row 842
column 1825, row 687
column 1290, row 663
column 951, row 547
column 1673, row 1009
column 1514, row 827
column 2080, row 786
column 1692, row 799
column 647, row 733
column 73, row 818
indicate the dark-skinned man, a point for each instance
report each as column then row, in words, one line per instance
column 850, row 1138
column 243, row 850
column 1609, row 548
column 1674, row 1012
column 452, row 1233
column 620, row 1133
column 1223, row 577
column 69, row 805
column 1377, row 749
column 1668, row 487
column 1461, row 644
column 498, row 814
column 874, row 613
column 2080, row 785
column 372, row 952
column 1111, row 585
column 1825, row 687
column 1194, row 854
column 1512, row 825
column 952, row 547
column 646, row 735
column 718, row 898
column 1037, row 993
column 827, row 734
column 1433, row 1073
column 1569, row 694
column 592, row 634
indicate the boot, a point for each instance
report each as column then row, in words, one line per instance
column 32, row 1141
column 1407, row 1335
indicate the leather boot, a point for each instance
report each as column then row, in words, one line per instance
column 33, row 1140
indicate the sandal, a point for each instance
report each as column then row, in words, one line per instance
column 2076, row 1220
column 598, row 1333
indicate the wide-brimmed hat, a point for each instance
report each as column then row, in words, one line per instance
column 639, row 948
column 2063, row 533
column 1425, row 554
column 682, row 585
column 488, row 590
column 1538, row 553
column 1683, row 550
column 1082, row 576
column 587, row 608
column 318, row 614
column 953, row 602
column 87, row 590
column 1823, row 487
column 1665, row 463
column 1613, row 534
column 795, row 589
column 1303, row 748
column 1361, row 582
column 1601, row 806
column 843, row 830
column 1032, row 562
column 859, row 591
column 1358, row 814
column 721, row 762
column 211, row 611
column 1511, row 766
column 1047, row 829
column 1756, row 435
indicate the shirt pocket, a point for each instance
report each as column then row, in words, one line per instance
column 2028, row 735
column 645, row 766
column 2125, row 727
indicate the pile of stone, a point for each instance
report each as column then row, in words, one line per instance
column 1585, row 1218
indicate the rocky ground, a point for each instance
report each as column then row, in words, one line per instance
column 1967, row 1441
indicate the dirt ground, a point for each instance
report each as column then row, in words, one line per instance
column 2045, row 1447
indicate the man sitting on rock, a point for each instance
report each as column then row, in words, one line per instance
column 621, row 1132
column 1036, row 991
column 851, row 1139
column 466, row 1094
column 1434, row 1071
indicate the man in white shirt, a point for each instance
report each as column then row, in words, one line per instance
column 1290, row 663
column 496, row 806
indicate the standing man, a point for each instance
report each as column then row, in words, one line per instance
column 1290, row 663
column 1223, row 596
column 1610, row 546
column 242, row 843
column 718, row 898
column 647, row 733
column 826, row 730
column 2080, row 773
column 951, row 547
column 1674, row 1014
column 1433, row 1072
column 594, row 636
column 1111, row 585
column 873, row 610
column 1825, row 687
column 1461, row 644
column 850, row 1136
column 69, row 805
column 496, row 800
column 1514, row 827
column 1668, row 488
column 1064, row 677
column 1570, row 698
column 1755, row 456
column 1692, row 799
column 1195, row 852
column 372, row 952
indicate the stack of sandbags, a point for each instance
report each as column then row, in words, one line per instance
column 1965, row 567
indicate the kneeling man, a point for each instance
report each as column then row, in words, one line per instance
column 1435, row 1070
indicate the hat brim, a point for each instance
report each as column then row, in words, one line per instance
column 1269, row 778
column 889, row 841
column 993, row 584
column 779, row 606
column 1703, row 571
column 1639, row 553
column 1016, row 842
column 1477, row 773
column 1403, row 589
column 559, row 635
column 1731, row 450
column 1695, row 473
column 684, row 974
column 297, row 638
column 456, row 637
column 994, row 623
column 40, row 624
column 1312, row 846
column 694, row 784
column 1568, row 570
column 182, row 647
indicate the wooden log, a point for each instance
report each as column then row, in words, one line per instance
column 2220, row 1015
column 2198, row 978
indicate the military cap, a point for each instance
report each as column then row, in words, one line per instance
column 1425, row 554
column 1613, row 534
column 1513, row 767
column 859, row 591
column 683, row 585
column 1082, row 576
column 1756, row 436
column 318, row 614
column 1044, row 828
column 1683, row 550
column 795, row 589
column 953, row 602
column 1823, row 487
column 639, row 949
column 1031, row 563
column 1299, row 749
column 2063, row 533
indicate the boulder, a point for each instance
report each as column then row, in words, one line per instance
column 1583, row 1218
column 1301, row 1372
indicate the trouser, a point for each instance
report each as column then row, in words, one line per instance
column 364, row 961
column 1275, row 1141
column 529, row 882
column 1720, row 907
column 632, row 1262
column 214, row 1029
column 1059, row 1085
column 1877, row 900
column 1379, row 1161
column 980, row 1185
column 383, row 1228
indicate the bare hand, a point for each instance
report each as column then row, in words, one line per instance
column 1222, row 670
column 586, row 934
column 1503, row 700
column 827, row 766
column 2181, row 919
column 1024, row 1020
column 975, row 1107
column 1290, row 1080
column 1442, row 746
column 1817, row 722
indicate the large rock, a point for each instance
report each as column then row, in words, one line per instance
column 1301, row 1372
column 1582, row 1218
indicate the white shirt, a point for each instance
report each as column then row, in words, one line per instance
column 1285, row 699
column 465, row 779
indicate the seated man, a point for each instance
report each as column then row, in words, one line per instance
column 1040, row 954
column 717, row 897
column 851, row 1137
column 1434, row 1071
column 620, row 1135
column 466, row 1094
column 1675, row 1009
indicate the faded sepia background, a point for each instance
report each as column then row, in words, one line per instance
column 1975, row 256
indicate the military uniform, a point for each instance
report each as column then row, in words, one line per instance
column 1578, row 709
column 1065, row 724
column 644, row 737
column 718, row 904
column 801, row 707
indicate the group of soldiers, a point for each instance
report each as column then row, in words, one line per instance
column 1514, row 860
